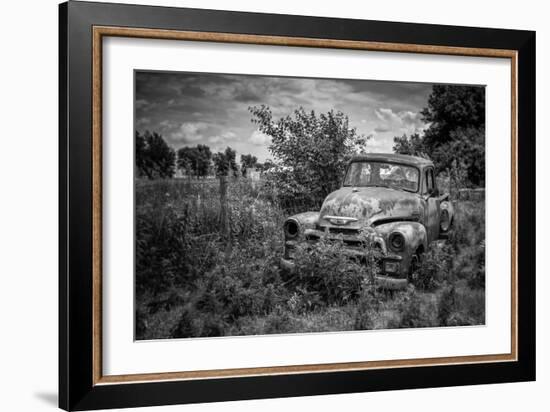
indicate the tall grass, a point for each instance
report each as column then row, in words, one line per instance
column 195, row 277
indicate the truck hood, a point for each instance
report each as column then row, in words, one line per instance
column 369, row 205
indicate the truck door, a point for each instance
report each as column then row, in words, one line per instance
column 433, row 205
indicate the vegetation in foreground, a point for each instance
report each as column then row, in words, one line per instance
column 195, row 278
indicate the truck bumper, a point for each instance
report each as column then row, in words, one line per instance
column 385, row 282
column 390, row 283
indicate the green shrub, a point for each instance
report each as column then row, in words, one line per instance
column 325, row 268
column 368, row 308
column 244, row 283
column 279, row 321
column 467, row 240
column 435, row 266
column 468, row 225
column 447, row 305
column 412, row 311
column 303, row 301
column 460, row 306
column 470, row 265
column 181, row 250
column 185, row 326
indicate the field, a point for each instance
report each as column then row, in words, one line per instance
column 204, row 271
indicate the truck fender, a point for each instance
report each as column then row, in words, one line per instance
column 446, row 217
column 295, row 225
column 414, row 232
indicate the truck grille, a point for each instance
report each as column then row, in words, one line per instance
column 344, row 231
column 349, row 236
column 340, row 230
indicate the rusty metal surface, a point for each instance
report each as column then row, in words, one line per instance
column 351, row 211
column 370, row 204
column 306, row 220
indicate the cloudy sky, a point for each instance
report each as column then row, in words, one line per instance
column 192, row 108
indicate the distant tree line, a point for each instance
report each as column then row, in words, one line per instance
column 195, row 161
column 155, row 159
column 455, row 137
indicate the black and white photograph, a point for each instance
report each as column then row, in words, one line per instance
column 277, row 205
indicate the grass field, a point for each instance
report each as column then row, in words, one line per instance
column 197, row 277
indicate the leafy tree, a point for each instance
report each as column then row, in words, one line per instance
column 265, row 166
column 142, row 160
column 450, row 108
column 204, row 160
column 310, row 150
column 186, row 161
column 195, row 160
column 413, row 145
column 248, row 161
column 154, row 158
column 225, row 163
column 456, row 131
column 466, row 148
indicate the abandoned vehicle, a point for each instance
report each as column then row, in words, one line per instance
column 392, row 200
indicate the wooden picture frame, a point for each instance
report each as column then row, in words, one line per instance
column 82, row 384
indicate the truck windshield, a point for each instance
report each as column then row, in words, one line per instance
column 370, row 173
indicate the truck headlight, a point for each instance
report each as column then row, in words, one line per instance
column 291, row 228
column 396, row 241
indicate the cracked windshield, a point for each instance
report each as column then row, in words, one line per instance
column 382, row 175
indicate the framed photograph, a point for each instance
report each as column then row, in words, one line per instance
column 257, row 206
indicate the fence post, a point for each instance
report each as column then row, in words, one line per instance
column 224, row 220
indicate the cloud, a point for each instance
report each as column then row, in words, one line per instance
column 221, row 138
column 375, row 145
column 236, row 88
column 259, row 139
column 387, row 115
column 189, row 132
column 142, row 122
column 141, row 103
column 402, row 122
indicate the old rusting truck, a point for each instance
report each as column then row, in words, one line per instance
column 391, row 199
